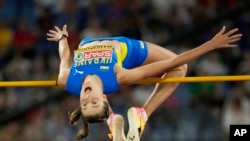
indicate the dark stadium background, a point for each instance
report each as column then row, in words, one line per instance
column 195, row 112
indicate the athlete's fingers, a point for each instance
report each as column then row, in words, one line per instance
column 53, row 31
column 233, row 45
column 234, row 40
column 235, row 36
column 57, row 29
column 229, row 33
column 65, row 27
column 51, row 39
column 223, row 29
column 50, row 35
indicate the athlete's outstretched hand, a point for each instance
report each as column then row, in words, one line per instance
column 224, row 40
column 57, row 33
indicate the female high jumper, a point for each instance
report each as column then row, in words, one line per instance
column 102, row 66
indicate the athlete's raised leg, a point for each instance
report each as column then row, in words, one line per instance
column 138, row 116
column 162, row 90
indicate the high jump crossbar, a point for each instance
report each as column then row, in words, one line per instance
column 46, row 83
column 195, row 79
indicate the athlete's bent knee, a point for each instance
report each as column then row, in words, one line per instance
column 181, row 71
column 184, row 69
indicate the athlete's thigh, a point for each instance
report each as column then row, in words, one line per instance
column 157, row 53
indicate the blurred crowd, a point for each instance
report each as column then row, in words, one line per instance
column 196, row 111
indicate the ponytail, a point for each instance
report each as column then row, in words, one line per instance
column 73, row 120
column 84, row 131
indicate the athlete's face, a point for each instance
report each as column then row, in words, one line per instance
column 92, row 97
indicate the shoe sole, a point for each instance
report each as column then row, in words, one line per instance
column 133, row 133
column 118, row 123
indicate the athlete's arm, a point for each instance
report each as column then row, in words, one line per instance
column 66, row 55
column 220, row 40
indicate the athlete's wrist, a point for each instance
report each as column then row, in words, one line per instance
column 62, row 36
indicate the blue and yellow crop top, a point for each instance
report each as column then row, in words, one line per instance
column 101, row 59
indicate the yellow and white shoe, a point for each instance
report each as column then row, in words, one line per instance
column 137, row 119
column 116, row 127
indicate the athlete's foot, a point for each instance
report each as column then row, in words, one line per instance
column 137, row 119
column 116, row 127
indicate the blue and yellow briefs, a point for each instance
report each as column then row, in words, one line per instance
column 101, row 59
